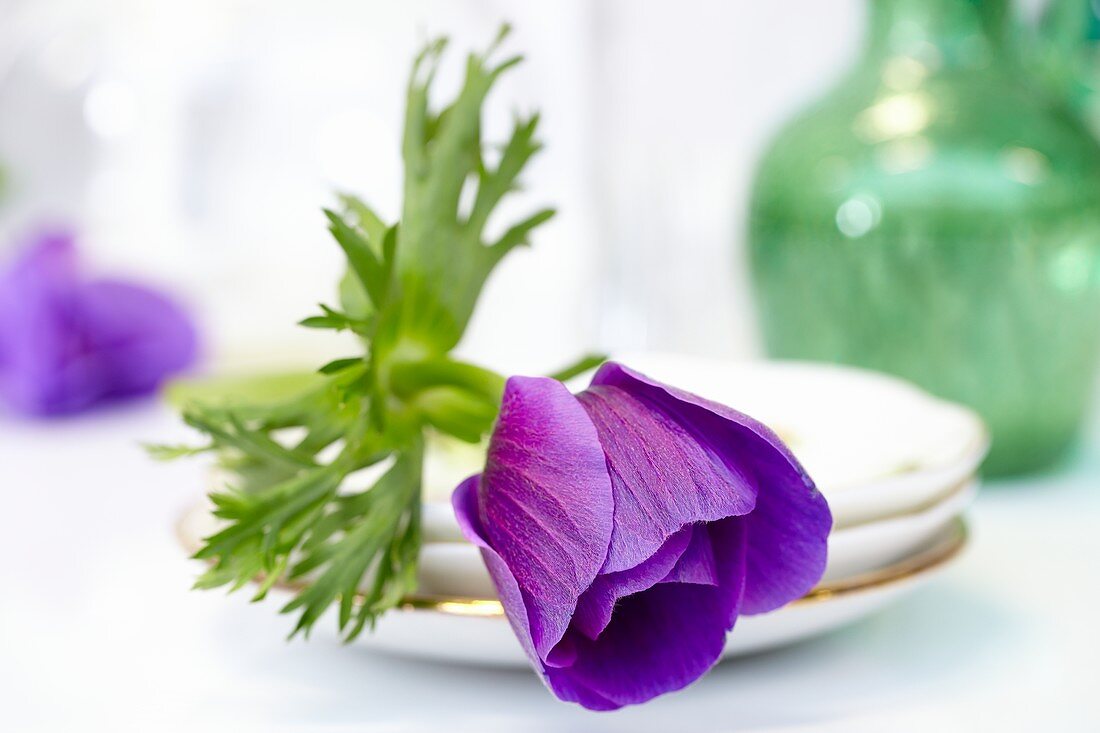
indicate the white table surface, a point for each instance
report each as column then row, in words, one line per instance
column 98, row 630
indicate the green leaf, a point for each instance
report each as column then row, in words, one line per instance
column 442, row 260
column 339, row 365
column 584, row 364
column 295, row 447
column 321, row 322
column 353, row 297
column 368, row 221
column 230, row 430
column 162, row 452
column 518, row 233
column 389, row 246
column 337, row 321
column 494, row 185
column 364, row 262
column 363, row 544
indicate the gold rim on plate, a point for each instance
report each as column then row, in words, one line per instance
column 947, row 547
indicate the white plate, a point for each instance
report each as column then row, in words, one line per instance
column 458, row 628
column 875, row 445
column 867, row 547
column 475, row 632
column 456, row 568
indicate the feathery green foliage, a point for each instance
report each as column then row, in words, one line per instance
column 323, row 488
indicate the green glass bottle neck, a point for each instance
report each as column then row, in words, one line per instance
column 943, row 33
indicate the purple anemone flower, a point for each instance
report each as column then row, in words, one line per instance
column 67, row 343
column 628, row 526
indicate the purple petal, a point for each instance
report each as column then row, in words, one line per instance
column 138, row 335
column 545, row 501
column 697, row 563
column 788, row 528
column 661, row 639
column 35, row 321
column 66, row 344
column 464, row 501
column 48, row 266
column 562, row 684
column 597, row 603
column 729, row 542
column 664, row 477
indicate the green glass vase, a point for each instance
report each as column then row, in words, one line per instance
column 937, row 216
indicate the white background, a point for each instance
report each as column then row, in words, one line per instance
column 194, row 143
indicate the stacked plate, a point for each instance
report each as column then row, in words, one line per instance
column 896, row 465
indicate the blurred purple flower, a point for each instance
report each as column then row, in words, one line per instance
column 626, row 528
column 67, row 343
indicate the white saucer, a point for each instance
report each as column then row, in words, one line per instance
column 867, row 547
column 476, row 632
column 456, row 568
column 464, row 629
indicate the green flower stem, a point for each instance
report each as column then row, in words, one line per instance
column 409, row 378
column 454, row 397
